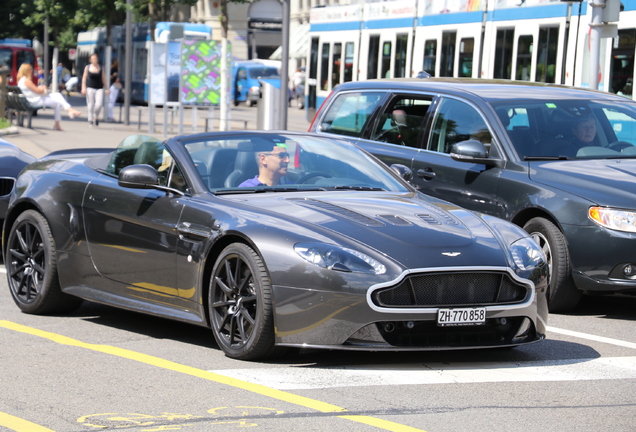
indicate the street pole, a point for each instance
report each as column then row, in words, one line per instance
column 284, row 69
column 128, row 73
column 47, row 64
column 595, row 41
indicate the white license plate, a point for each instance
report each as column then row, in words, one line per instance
column 461, row 316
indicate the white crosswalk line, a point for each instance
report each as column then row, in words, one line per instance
column 592, row 337
column 434, row 373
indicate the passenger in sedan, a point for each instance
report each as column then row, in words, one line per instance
column 272, row 166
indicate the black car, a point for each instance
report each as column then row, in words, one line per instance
column 341, row 253
column 12, row 160
column 559, row 162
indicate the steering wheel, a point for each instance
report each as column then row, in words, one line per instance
column 311, row 175
column 620, row 145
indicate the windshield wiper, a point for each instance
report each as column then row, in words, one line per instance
column 540, row 158
column 358, row 188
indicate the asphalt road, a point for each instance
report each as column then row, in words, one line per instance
column 102, row 369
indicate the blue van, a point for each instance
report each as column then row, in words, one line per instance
column 245, row 75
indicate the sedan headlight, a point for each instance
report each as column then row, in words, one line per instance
column 338, row 258
column 527, row 254
column 615, row 219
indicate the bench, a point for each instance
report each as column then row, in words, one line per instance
column 17, row 104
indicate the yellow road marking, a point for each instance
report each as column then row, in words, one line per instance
column 210, row 376
column 20, row 425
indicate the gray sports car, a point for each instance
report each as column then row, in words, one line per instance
column 272, row 240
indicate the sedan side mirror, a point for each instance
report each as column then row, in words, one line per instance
column 472, row 151
column 138, row 177
column 403, row 171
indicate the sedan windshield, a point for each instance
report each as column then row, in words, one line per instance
column 274, row 162
column 570, row 129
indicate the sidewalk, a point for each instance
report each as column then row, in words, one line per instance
column 77, row 133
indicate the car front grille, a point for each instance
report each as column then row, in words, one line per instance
column 6, row 185
column 452, row 289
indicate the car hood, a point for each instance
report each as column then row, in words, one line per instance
column 408, row 228
column 606, row 182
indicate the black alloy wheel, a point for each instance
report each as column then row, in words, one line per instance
column 562, row 293
column 32, row 267
column 240, row 304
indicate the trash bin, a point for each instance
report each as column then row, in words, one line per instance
column 268, row 116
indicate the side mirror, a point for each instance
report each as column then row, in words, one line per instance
column 138, row 177
column 472, row 151
column 403, row 171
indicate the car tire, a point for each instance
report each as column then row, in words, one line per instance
column 249, row 103
column 562, row 293
column 240, row 304
column 31, row 266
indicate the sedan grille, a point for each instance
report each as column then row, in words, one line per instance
column 6, row 186
column 452, row 289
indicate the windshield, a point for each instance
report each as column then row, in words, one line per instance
column 263, row 72
column 570, row 129
column 244, row 163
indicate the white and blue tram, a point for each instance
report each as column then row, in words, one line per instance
column 529, row 40
column 95, row 41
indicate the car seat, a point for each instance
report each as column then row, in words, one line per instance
column 245, row 166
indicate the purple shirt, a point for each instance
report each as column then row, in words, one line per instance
column 256, row 182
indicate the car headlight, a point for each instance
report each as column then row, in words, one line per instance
column 338, row 258
column 615, row 219
column 527, row 254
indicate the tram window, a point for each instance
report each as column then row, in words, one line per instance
column 313, row 59
column 622, row 66
column 547, row 54
column 348, row 66
column 349, row 113
column 430, row 55
column 141, row 55
column 401, row 43
column 524, row 57
column 448, row 54
column 466, row 48
column 324, row 67
column 503, row 53
column 402, row 122
column 336, row 61
column 457, row 121
column 372, row 63
column 623, row 125
column 386, row 60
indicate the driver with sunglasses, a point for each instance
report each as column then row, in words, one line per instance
column 272, row 166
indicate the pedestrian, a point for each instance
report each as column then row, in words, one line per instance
column 38, row 97
column 115, row 85
column 94, row 86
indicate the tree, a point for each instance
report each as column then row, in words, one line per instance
column 12, row 20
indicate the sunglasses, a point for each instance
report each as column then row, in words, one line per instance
column 282, row 155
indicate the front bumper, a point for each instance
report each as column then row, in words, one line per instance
column 337, row 320
column 598, row 257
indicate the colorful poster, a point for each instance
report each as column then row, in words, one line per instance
column 201, row 72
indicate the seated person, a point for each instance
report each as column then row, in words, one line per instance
column 272, row 166
column 584, row 132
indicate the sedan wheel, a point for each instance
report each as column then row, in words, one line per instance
column 241, row 305
column 562, row 293
column 32, row 268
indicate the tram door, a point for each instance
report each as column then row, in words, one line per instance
column 622, row 66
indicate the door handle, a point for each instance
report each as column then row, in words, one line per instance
column 97, row 198
column 426, row 173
